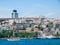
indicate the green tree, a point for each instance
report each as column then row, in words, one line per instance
column 39, row 27
column 14, row 23
column 27, row 34
column 50, row 24
column 6, row 22
column 6, row 33
column 14, row 28
column 57, row 35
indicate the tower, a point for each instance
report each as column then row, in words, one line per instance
column 14, row 14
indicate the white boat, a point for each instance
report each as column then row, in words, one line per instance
column 48, row 37
column 13, row 39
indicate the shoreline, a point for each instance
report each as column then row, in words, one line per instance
column 29, row 38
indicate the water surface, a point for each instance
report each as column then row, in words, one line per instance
column 31, row 42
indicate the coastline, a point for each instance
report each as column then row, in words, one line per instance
column 28, row 38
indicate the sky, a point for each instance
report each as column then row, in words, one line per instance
column 30, row 8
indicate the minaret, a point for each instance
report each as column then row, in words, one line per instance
column 14, row 14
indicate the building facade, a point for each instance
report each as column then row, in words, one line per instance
column 14, row 14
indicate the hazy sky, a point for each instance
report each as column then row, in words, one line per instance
column 30, row 8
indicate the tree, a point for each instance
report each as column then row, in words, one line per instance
column 6, row 33
column 30, row 25
column 14, row 27
column 6, row 22
column 57, row 35
column 27, row 34
column 50, row 24
column 39, row 27
column 14, row 23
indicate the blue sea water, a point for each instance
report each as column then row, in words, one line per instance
column 32, row 42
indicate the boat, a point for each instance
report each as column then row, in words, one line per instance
column 13, row 39
column 46, row 37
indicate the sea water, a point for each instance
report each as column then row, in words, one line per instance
column 31, row 42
